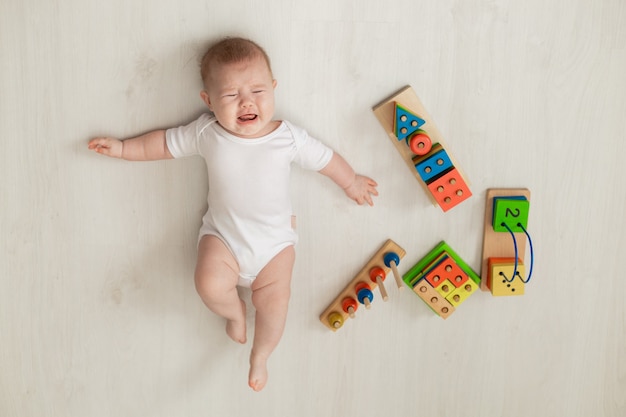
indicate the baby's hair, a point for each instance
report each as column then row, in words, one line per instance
column 231, row 51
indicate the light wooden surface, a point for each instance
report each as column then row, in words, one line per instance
column 98, row 312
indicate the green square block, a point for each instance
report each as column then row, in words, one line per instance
column 417, row 272
column 510, row 211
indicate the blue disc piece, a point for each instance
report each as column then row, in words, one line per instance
column 363, row 294
column 391, row 257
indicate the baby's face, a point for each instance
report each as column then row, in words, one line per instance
column 241, row 95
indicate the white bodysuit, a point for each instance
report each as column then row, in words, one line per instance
column 249, row 205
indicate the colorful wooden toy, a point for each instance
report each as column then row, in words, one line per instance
column 416, row 138
column 442, row 279
column 504, row 241
column 360, row 289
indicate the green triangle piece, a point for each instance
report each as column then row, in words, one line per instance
column 406, row 122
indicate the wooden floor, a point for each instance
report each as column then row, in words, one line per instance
column 98, row 311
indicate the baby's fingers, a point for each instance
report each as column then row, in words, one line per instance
column 105, row 146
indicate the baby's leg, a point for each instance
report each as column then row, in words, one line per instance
column 217, row 274
column 270, row 296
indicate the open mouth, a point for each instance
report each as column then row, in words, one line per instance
column 247, row 117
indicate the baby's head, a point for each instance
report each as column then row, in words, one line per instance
column 239, row 87
column 230, row 51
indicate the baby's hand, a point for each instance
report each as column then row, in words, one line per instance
column 362, row 189
column 107, row 146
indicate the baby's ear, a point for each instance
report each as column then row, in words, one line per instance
column 204, row 95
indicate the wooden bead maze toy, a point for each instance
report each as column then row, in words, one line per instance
column 504, row 242
column 421, row 146
column 442, row 280
column 360, row 291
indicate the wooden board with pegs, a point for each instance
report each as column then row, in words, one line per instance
column 359, row 292
column 499, row 244
column 386, row 114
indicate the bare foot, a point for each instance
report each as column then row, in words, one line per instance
column 237, row 330
column 258, row 375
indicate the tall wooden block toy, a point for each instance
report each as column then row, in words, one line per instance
column 442, row 280
column 417, row 139
column 360, row 290
column 504, row 242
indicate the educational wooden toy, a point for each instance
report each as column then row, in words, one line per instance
column 442, row 280
column 417, row 139
column 504, row 242
column 360, row 290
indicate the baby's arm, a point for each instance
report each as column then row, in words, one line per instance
column 357, row 187
column 148, row 147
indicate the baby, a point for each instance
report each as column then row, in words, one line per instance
column 247, row 236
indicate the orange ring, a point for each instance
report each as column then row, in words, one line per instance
column 419, row 143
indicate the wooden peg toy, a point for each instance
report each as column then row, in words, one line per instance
column 505, row 237
column 392, row 260
column 360, row 288
column 418, row 136
column 377, row 275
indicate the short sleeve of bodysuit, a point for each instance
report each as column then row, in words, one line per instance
column 184, row 140
column 310, row 152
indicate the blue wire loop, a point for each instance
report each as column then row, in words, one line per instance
column 532, row 255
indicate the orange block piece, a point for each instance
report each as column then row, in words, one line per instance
column 450, row 189
column 446, row 269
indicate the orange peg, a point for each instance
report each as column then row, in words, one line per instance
column 350, row 306
column 377, row 274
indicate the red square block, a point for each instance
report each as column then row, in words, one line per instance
column 447, row 269
column 450, row 189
